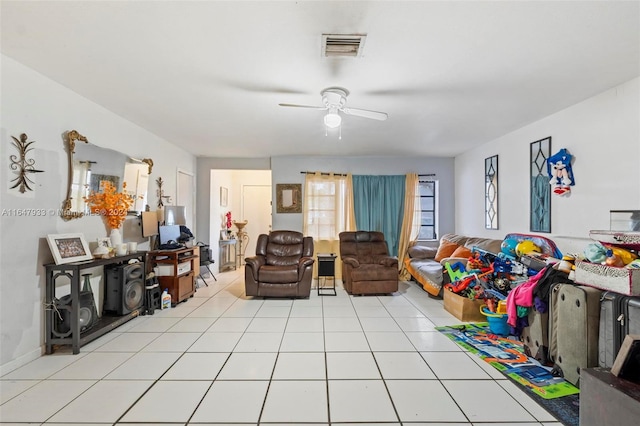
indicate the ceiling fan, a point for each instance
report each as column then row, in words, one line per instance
column 334, row 100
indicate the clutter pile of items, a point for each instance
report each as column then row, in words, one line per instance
column 571, row 312
column 488, row 278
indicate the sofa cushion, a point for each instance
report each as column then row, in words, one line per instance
column 484, row 243
column 445, row 249
column 422, row 252
column 462, row 251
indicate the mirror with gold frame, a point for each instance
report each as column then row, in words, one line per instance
column 90, row 166
column 288, row 198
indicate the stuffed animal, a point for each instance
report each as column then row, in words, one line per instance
column 560, row 172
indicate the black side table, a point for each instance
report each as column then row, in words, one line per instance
column 327, row 269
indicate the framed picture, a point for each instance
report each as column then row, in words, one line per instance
column 104, row 242
column 97, row 182
column 224, row 196
column 67, row 248
column 539, row 188
column 289, row 198
column 491, row 192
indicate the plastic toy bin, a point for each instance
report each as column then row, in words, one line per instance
column 497, row 322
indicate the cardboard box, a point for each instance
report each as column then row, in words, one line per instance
column 463, row 308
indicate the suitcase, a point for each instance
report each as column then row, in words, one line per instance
column 573, row 329
column 619, row 316
column 535, row 337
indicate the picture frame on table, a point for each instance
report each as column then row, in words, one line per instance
column 104, row 242
column 68, row 248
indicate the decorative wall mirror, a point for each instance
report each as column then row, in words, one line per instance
column 491, row 192
column 539, row 188
column 89, row 165
column 288, row 198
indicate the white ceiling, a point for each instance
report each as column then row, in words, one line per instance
column 208, row 75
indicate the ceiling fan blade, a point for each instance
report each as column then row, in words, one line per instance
column 304, row 106
column 366, row 113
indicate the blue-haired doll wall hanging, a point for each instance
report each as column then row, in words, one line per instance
column 560, row 172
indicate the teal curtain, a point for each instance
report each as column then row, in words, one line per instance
column 379, row 206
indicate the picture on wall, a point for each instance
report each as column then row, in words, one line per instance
column 224, row 196
column 288, row 198
column 491, row 192
column 97, row 182
column 539, row 188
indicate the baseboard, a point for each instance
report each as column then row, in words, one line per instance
column 19, row 362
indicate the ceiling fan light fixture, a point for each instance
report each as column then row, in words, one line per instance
column 332, row 120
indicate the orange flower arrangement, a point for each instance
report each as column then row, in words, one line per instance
column 111, row 204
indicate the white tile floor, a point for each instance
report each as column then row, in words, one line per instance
column 222, row 358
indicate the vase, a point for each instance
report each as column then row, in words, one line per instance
column 87, row 282
column 115, row 237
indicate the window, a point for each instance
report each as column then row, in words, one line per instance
column 325, row 206
column 428, row 193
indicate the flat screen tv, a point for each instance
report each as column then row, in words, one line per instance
column 169, row 233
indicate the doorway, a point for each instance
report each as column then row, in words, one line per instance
column 256, row 209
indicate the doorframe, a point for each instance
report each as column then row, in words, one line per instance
column 193, row 195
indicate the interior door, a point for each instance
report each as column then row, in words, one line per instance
column 256, row 209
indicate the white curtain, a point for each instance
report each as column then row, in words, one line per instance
column 410, row 221
column 328, row 210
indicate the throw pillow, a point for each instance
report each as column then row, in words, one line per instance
column 462, row 251
column 445, row 250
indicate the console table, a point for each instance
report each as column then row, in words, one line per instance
column 227, row 255
column 103, row 325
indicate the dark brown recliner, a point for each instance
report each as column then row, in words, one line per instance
column 282, row 266
column 367, row 267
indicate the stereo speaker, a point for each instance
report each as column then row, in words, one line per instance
column 124, row 292
column 87, row 313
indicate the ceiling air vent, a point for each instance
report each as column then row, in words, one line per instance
column 342, row 44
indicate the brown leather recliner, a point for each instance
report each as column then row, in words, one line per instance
column 282, row 266
column 367, row 267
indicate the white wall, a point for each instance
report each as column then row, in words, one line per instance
column 603, row 135
column 45, row 110
column 287, row 170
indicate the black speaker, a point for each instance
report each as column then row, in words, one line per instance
column 87, row 314
column 124, row 290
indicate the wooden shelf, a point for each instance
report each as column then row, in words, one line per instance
column 180, row 286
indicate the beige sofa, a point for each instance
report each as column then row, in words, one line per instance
column 426, row 264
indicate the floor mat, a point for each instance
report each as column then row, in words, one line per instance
column 555, row 394
column 508, row 356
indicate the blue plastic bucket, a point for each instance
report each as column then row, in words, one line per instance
column 497, row 322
